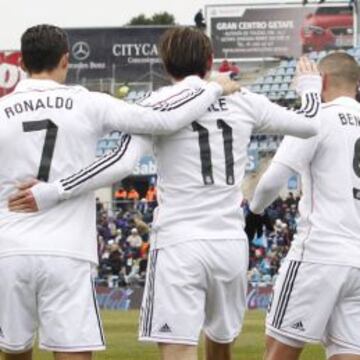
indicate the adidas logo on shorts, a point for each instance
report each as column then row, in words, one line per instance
column 165, row 329
column 298, row 326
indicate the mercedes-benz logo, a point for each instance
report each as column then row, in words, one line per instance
column 81, row 50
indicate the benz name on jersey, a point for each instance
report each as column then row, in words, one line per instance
column 26, row 105
column 349, row 119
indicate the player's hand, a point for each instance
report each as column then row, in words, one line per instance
column 307, row 77
column 305, row 66
column 253, row 223
column 229, row 86
column 23, row 201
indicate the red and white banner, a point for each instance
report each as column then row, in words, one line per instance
column 10, row 71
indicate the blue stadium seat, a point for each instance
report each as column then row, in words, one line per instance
column 115, row 135
column 322, row 54
column 280, row 71
column 313, row 55
column 357, row 52
column 292, row 63
column 265, row 88
column 131, row 96
column 288, row 79
column 268, row 80
column 291, row 95
column 274, row 96
column 140, row 94
column 259, row 80
column 255, row 88
column 103, row 143
column 275, row 87
column 284, row 63
column 284, row 87
column 113, row 143
column 278, row 79
column 290, row 71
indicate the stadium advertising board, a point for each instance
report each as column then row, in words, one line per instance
column 258, row 297
column 243, row 32
column 147, row 164
column 10, row 71
column 125, row 53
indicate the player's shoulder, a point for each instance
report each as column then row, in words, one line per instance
column 246, row 95
column 75, row 89
column 246, row 100
column 339, row 104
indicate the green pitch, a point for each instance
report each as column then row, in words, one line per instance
column 121, row 335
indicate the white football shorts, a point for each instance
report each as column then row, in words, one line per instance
column 316, row 303
column 52, row 296
column 193, row 286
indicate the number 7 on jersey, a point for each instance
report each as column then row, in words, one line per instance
column 49, row 144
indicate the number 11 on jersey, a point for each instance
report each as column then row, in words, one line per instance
column 205, row 152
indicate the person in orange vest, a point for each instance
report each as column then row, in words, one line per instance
column 120, row 196
column 133, row 194
column 151, row 194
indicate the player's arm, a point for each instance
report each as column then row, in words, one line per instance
column 34, row 196
column 269, row 186
column 304, row 123
column 293, row 156
column 267, row 190
column 183, row 103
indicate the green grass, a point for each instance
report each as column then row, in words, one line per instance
column 121, row 335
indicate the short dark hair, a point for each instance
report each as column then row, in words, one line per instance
column 42, row 47
column 342, row 69
column 185, row 51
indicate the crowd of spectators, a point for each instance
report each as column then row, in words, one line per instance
column 269, row 247
column 123, row 239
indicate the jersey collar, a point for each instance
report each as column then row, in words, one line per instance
column 345, row 101
column 36, row 84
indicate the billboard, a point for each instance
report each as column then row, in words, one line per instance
column 258, row 297
column 126, row 53
column 10, row 71
column 243, row 32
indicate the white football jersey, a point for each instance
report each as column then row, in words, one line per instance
column 201, row 167
column 48, row 130
column 329, row 165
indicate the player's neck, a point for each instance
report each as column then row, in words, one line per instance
column 48, row 75
column 332, row 95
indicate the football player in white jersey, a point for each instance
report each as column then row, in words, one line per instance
column 48, row 129
column 199, row 255
column 317, row 294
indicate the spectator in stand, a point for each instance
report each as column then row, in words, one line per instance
column 151, row 194
column 151, row 197
column 143, row 266
column 133, row 195
column 142, row 227
column 115, row 259
column 135, row 241
column 120, row 196
column 235, row 71
column 290, row 200
column 229, row 68
column 99, row 206
column 224, row 67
